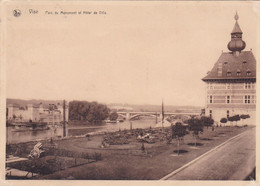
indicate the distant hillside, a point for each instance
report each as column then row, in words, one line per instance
column 145, row 108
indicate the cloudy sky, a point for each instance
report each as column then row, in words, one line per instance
column 138, row 53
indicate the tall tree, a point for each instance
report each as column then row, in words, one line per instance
column 195, row 126
column 113, row 116
column 178, row 131
column 207, row 121
column 87, row 111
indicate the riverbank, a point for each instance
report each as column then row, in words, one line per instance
column 125, row 156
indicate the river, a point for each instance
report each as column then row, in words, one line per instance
column 25, row 136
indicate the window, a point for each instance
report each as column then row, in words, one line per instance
column 210, row 99
column 253, row 99
column 248, row 73
column 244, row 62
column 228, row 85
column 210, row 113
column 252, row 86
column 228, row 99
column 227, row 114
column 238, row 72
column 225, row 63
column 228, row 73
column 248, row 85
column 210, row 86
column 219, row 69
column 247, row 99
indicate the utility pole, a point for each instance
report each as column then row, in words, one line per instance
column 64, row 119
column 162, row 113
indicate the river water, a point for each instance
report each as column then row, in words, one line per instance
column 25, row 136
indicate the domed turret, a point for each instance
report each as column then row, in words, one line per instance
column 236, row 43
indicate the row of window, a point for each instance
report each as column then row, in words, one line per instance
column 247, row 99
column 247, row 85
column 225, row 63
column 248, row 73
column 229, row 73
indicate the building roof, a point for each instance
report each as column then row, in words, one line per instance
column 231, row 66
column 237, row 28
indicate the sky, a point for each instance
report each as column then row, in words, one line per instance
column 136, row 53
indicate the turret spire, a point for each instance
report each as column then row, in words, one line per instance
column 236, row 44
column 236, row 16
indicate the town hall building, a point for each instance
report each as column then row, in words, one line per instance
column 231, row 83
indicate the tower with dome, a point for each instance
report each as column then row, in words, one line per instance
column 231, row 83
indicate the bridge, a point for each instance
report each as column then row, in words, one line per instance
column 180, row 115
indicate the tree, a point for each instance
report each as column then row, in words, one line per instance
column 178, row 131
column 236, row 118
column 196, row 127
column 231, row 119
column 87, row 111
column 223, row 120
column 244, row 116
column 113, row 116
column 207, row 121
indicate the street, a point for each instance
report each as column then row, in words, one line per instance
column 233, row 161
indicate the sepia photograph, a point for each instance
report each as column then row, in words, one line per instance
column 129, row 90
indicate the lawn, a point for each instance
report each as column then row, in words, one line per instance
column 129, row 162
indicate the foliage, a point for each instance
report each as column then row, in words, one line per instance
column 113, row 116
column 207, row 121
column 244, row 116
column 178, row 130
column 87, row 111
column 231, row 118
column 195, row 125
column 223, row 120
column 234, row 118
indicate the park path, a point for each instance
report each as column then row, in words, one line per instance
column 232, row 161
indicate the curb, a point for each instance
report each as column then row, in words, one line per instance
column 201, row 156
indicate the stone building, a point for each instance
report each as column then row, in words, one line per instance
column 37, row 113
column 231, row 84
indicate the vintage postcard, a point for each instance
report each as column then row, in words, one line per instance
column 130, row 91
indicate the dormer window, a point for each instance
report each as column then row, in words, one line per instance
column 220, row 69
column 238, row 72
column 228, row 73
column 248, row 72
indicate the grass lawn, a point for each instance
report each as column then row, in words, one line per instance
column 129, row 162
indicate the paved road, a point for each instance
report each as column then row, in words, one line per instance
column 232, row 161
